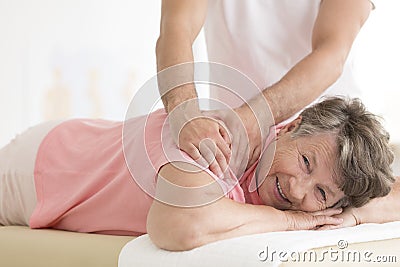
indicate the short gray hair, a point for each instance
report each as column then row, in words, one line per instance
column 364, row 155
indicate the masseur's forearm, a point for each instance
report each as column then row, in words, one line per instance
column 171, row 50
column 383, row 209
column 304, row 83
column 181, row 22
column 298, row 88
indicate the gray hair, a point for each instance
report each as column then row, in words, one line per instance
column 364, row 155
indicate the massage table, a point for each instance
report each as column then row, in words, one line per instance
column 21, row 246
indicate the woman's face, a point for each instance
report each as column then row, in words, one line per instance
column 302, row 173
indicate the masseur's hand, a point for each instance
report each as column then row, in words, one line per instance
column 205, row 139
column 240, row 140
column 300, row 220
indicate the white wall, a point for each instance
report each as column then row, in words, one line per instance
column 95, row 53
column 377, row 61
column 75, row 58
column 86, row 58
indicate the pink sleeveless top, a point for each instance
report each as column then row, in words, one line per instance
column 85, row 183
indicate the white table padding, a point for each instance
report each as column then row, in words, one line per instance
column 245, row 250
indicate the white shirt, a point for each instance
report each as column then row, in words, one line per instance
column 264, row 39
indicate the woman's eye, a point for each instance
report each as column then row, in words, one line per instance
column 323, row 194
column 306, row 161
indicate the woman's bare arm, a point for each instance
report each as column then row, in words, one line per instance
column 182, row 228
column 378, row 210
column 383, row 209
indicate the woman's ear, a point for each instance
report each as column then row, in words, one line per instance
column 291, row 126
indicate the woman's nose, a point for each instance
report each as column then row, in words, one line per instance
column 299, row 186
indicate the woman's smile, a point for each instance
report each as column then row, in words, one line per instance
column 280, row 190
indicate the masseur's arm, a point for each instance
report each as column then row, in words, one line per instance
column 337, row 25
column 181, row 22
column 182, row 228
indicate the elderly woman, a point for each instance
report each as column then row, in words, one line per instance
column 75, row 176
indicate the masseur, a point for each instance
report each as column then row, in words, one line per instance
column 294, row 50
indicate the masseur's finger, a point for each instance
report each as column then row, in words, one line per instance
column 223, row 154
column 195, row 154
column 223, row 141
column 220, row 161
column 226, row 135
column 212, row 155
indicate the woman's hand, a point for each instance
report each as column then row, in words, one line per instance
column 349, row 216
column 300, row 220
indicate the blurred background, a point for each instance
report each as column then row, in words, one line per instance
column 87, row 58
